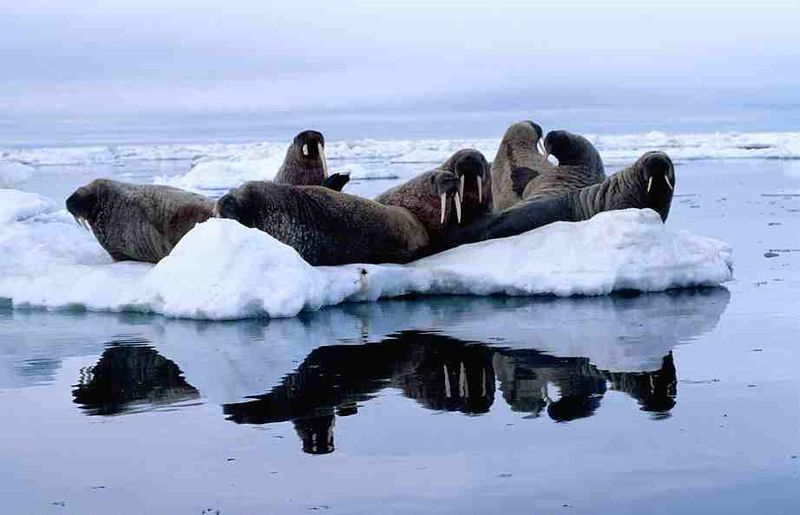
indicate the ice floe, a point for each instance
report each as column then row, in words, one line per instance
column 222, row 270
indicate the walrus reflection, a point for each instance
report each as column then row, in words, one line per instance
column 443, row 374
column 129, row 377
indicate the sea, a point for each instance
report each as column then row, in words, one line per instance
column 685, row 399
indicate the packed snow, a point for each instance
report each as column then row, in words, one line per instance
column 222, row 270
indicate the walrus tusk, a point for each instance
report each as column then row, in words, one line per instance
column 447, row 392
column 458, row 207
column 669, row 184
column 83, row 224
column 305, row 149
column 480, row 190
column 649, row 183
column 322, row 158
column 540, row 147
column 461, row 186
column 443, row 207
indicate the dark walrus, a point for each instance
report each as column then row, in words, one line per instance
column 331, row 228
column 305, row 163
column 648, row 183
column 579, row 165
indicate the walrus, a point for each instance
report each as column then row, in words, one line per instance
column 518, row 149
column 305, row 164
column 331, row 228
column 455, row 192
column 327, row 227
column 144, row 222
column 579, row 165
column 648, row 183
column 137, row 222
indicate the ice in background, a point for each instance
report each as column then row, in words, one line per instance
column 224, row 271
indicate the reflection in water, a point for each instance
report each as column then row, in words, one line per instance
column 550, row 358
column 442, row 373
column 128, row 376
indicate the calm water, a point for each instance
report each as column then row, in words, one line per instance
column 677, row 402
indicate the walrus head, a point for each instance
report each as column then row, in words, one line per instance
column 572, row 149
column 304, row 164
column 658, row 176
column 472, row 169
column 84, row 203
column 525, row 134
column 230, row 206
column 309, row 147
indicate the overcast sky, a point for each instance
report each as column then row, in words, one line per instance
column 84, row 56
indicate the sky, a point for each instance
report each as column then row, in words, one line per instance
column 140, row 56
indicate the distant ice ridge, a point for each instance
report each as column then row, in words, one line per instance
column 218, row 167
column 222, row 270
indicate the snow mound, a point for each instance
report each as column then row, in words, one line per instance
column 222, row 270
column 13, row 173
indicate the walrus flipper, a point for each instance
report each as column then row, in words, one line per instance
column 520, row 177
column 525, row 216
column 336, row 181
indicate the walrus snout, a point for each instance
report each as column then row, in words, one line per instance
column 474, row 166
column 659, row 175
column 658, row 165
column 81, row 205
column 536, row 127
column 447, row 185
column 311, row 143
column 227, row 207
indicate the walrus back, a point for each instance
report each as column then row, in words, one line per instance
column 332, row 228
column 144, row 222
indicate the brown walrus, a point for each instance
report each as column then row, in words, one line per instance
column 455, row 192
column 138, row 222
column 518, row 149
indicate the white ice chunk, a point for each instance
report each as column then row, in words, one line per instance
column 222, row 270
column 18, row 205
column 13, row 173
